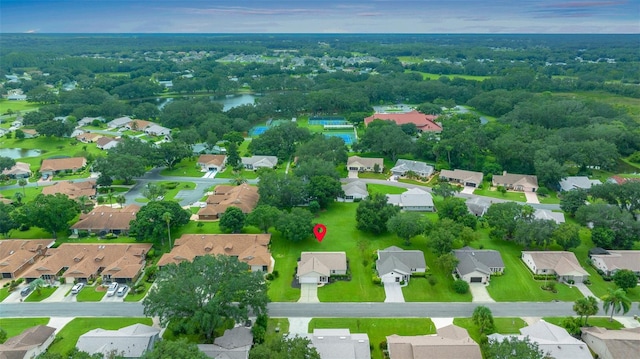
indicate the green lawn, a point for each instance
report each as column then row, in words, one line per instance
column 4, row 293
column 430, row 76
column 384, row 189
column 377, row 328
column 44, row 294
column 138, row 296
column 31, row 233
column 420, row 290
column 67, row 338
column 15, row 326
column 246, row 174
column 185, row 168
column 552, row 198
column 90, row 294
column 50, row 147
column 489, row 191
column 502, row 326
column 28, row 192
column 15, row 106
column 602, row 322
column 272, row 324
column 517, row 283
column 371, row 175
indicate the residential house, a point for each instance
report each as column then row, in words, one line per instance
column 363, row 164
column 106, row 219
column 214, row 163
column 413, row 199
column 356, row 190
column 419, row 168
column 28, row 344
column 89, row 137
column 156, row 130
column 73, row 190
column 616, row 260
column 396, row 265
column 340, row 343
column 516, row 182
column 577, row 182
column 235, row 343
column 128, row 342
column 244, row 197
column 257, row 162
column 202, row 148
column 548, row 215
column 81, row 262
column 107, row 143
column 137, row 125
column 252, row 249
column 19, row 170
column 53, row 166
column 561, row 263
column 465, row 178
column 30, row 133
column 18, row 255
column 424, row 123
column 86, row 121
column 478, row 206
column 119, row 122
column 553, row 340
column 317, row 267
column 16, row 97
column 477, row 265
column 612, row 344
column 450, row 342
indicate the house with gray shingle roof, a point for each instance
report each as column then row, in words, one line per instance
column 28, row 344
column 355, row 190
column 577, row 182
column 257, row 162
column 547, row 215
column 235, row 343
column 414, row 199
column 478, row 206
column 395, row 264
column 420, row 168
column 477, row 265
column 128, row 342
column 450, row 342
column 340, row 343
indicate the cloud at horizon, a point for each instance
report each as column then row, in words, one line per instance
column 320, row 16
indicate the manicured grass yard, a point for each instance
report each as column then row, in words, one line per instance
column 419, row 289
column 51, row 147
column 552, row 198
column 377, row 328
column 384, row 189
column 602, row 322
column 15, row 106
column 67, row 338
column 90, row 294
column 246, row 174
column 186, row 168
column 4, row 293
column 502, row 326
column 517, row 283
column 15, row 326
column 138, row 297
column 272, row 324
column 44, row 294
column 488, row 191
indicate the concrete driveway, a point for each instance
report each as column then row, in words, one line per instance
column 479, row 293
column 393, row 293
column 59, row 294
column 468, row 190
column 353, row 174
column 532, row 197
column 308, row 293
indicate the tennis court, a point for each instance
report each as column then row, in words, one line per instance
column 258, row 130
column 348, row 138
column 332, row 120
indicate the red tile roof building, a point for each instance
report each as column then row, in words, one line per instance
column 424, row 123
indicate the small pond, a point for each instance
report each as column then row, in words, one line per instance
column 16, row 153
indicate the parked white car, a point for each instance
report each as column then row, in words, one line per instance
column 77, row 288
column 113, row 288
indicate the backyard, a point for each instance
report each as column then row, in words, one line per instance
column 489, row 191
column 15, row 326
column 502, row 326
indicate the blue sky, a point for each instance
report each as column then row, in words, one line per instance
column 320, row 16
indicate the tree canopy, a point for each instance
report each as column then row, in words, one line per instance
column 149, row 222
column 285, row 348
column 374, row 212
column 49, row 212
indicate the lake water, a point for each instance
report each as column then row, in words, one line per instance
column 16, row 153
column 228, row 102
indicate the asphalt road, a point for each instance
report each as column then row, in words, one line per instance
column 316, row 310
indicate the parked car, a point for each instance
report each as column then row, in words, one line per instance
column 25, row 291
column 113, row 287
column 77, row 288
column 122, row 290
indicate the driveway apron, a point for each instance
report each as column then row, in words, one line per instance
column 393, row 293
column 308, row 293
column 480, row 294
column 532, row 197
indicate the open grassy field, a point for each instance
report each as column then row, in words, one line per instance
column 630, row 104
column 67, row 338
column 15, row 106
column 377, row 328
column 429, row 76
column 44, row 294
column 489, row 191
column 15, row 326
column 502, row 326
column 51, row 147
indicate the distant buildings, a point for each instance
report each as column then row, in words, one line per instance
column 424, row 123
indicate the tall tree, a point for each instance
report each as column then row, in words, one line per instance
column 441, row 240
column 149, row 222
column 625, row 279
column 567, row 235
column 616, row 300
column 324, row 189
column 166, row 217
column 263, row 217
column 483, row 319
column 232, row 220
column 7, row 223
column 23, row 183
column 503, row 218
column 586, row 307
column 407, row 225
column 220, row 288
column 373, row 214
column 513, row 347
column 285, row 348
column 6, row 162
column 49, row 212
column 445, row 189
column 180, row 348
column 280, row 190
column 455, row 208
column 295, row 225
column 172, row 152
column 571, row 201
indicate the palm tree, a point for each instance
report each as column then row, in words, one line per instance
column 37, row 285
column 238, row 179
column 22, row 183
column 166, row 216
column 18, row 197
column 121, row 199
column 110, row 196
column 84, row 203
column 617, row 300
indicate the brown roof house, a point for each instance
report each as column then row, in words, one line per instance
column 424, row 123
column 317, row 267
column 612, row 344
column 28, row 344
column 212, row 163
column 18, row 255
column 120, row 263
column 244, row 197
column 252, row 249
column 465, row 178
column 614, row 261
column 104, row 219
column 563, row 264
column 55, row 165
column 451, row 342
column 19, row 170
column 88, row 137
column 72, row 189
column 524, row 183
column 363, row 164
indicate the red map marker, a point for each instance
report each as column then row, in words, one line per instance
column 319, row 231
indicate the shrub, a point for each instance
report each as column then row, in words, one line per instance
column 170, row 185
column 383, row 345
column 402, row 282
column 376, row 280
column 276, row 274
column 151, row 254
column 99, row 280
column 269, row 277
column 365, row 262
column 586, row 281
column 571, row 281
column 419, row 274
column 63, row 280
column 543, row 191
column 83, row 234
column 150, row 273
column 432, row 280
column 460, row 286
